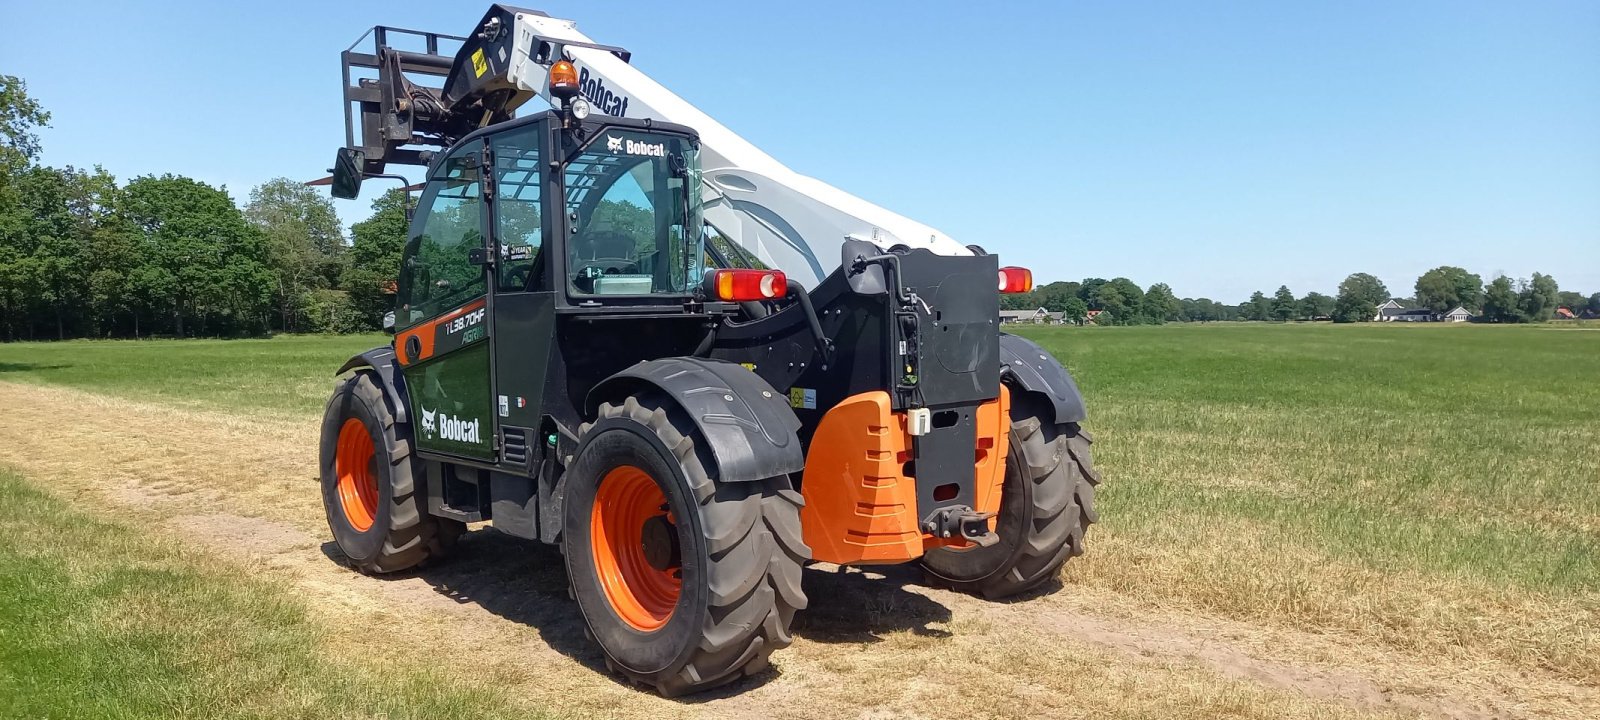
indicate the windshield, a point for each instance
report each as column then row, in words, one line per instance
column 629, row 196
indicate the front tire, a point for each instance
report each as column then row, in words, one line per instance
column 376, row 508
column 1046, row 505
column 686, row 583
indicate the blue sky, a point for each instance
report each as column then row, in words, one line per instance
column 1218, row 147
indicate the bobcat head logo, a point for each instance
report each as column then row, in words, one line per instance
column 613, row 144
column 428, row 424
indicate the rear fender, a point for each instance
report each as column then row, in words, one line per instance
column 1035, row 370
column 751, row 430
column 380, row 360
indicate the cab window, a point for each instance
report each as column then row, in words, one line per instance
column 519, row 225
column 629, row 196
column 438, row 273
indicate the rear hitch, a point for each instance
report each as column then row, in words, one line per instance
column 961, row 521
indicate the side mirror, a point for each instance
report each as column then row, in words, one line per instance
column 347, row 173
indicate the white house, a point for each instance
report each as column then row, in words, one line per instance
column 1393, row 311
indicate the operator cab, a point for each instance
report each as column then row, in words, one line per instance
column 625, row 192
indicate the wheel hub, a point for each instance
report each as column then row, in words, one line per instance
column 660, row 541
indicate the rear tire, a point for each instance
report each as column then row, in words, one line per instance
column 1046, row 505
column 376, row 508
column 735, row 551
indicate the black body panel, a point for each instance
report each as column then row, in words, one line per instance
column 957, row 335
column 749, row 426
column 1038, row 371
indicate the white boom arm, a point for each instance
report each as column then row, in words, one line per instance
column 787, row 220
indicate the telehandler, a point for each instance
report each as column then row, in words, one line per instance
column 621, row 329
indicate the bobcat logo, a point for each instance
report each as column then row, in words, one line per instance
column 428, row 424
column 613, row 144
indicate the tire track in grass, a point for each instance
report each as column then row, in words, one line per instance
column 871, row 643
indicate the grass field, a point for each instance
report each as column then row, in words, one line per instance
column 1417, row 506
column 102, row 621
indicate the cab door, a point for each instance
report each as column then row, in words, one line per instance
column 441, row 318
column 522, row 302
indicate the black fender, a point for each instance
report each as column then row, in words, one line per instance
column 1038, row 371
column 380, row 360
column 750, row 427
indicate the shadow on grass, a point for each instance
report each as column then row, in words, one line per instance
column 6, row 367
column 526, row 582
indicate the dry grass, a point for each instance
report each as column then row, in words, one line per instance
column 868, row 645
column 1282, row 536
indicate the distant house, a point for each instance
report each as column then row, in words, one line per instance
column 1565, row 314
column 1393, row 311
column 1460, row 314
column 1037, row 316
column 1094, row 315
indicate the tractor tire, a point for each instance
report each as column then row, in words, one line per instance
column 686, row 583
column 376, row 505
column 1046, row 505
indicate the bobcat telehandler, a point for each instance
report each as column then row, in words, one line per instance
column 621, row 329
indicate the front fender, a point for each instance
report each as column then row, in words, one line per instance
column 380, row 360
column 1037, row 371
column 749, row 426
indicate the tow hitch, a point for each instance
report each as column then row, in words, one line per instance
column 962, row 521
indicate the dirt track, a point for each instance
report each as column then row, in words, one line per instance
column 872, row 644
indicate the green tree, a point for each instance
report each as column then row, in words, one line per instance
column 1258, row 307
column 1052, row 297
column 304, row 243
column 20, row 115
column 1315, row 305
column 1594, row 303
column 1537, row 300
column 1446, row 287
column 52, row 250
column 1159, row 305
column 1110, row 301
column 1088, row 289
column 1132, row 301
column 1073, row 310
column 1359, row 297
column 1500, row 302
column 1284, row 307
column 376, row 246
column 205, row 267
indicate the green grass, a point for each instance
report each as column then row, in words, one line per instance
column 284, row 375
column 1427, row 487
column 99, row 620
column 1470, row 451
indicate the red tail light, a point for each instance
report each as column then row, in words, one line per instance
column 735, row 285
column 1016, row 280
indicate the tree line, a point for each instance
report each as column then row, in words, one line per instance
column 82, row 255
column 1120, row 301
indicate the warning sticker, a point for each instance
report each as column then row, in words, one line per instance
column 803, row 398
column 480, row 64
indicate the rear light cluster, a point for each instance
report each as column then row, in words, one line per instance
column 1016, row 280
column 740, row 285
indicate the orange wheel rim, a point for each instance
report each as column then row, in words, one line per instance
column 358, row 484
column 640, row 593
